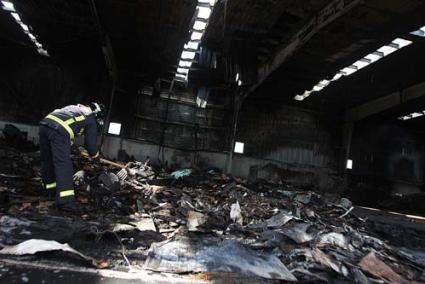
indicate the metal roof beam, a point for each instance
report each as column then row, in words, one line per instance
column 384, row 103
column 324, row 17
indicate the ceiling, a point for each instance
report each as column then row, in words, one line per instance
column 147, row 37
column 359, row 32
column 265, row 24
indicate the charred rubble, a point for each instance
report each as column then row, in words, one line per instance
column 197, row 222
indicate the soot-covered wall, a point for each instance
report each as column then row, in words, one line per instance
column 388, row 159
column 32, row 85
column 291, row 138
column 177, row 121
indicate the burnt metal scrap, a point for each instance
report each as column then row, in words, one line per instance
column 34, row 246
column 198, row 222
column 184, row 255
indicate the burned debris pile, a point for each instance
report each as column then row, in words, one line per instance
column 195, row 221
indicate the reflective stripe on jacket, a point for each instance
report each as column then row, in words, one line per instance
column 75, row 120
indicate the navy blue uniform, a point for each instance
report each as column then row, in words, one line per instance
column 57, row 132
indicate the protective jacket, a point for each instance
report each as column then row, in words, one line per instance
column 57, row 133
column 75, row 120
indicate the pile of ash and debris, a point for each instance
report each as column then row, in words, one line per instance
column 192, row 222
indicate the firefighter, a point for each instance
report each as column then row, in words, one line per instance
column 57, row 132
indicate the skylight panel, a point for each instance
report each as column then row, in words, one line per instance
column 181, row 77
column 8, row 6
column 182, row 70
column 192, row 45
column 187, row 64
column 387, row 50
column 318, row 88
column 412, row 115
column 337, row 76
column 396, row 44
column 16, row 17
column 43, row 52
column 24, row 27
column 196, row 36
column 324, row 83
column 416, row 114
column 420, row 32
column 361, row 63
column 199, row 25
column 211, row 2
column 373, row 57
column 406, row 117
column 188, row 54
column 401, row 42
column 32, row 37
column 204, row 13
column 347, row 71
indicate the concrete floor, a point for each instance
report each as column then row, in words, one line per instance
column 391, row 218
column 12, row 271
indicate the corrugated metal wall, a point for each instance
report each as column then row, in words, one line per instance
column 391, row 150
column 288, row 134
column 178, row 122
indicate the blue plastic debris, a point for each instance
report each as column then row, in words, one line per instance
column 181, row 173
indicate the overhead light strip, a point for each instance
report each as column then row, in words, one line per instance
column 8, row 6
column 412, row 115
column 203, row 13
column 420, row 32
column 382, row 52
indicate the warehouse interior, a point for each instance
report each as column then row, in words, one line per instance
column 275, row 99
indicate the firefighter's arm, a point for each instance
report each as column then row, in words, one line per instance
column 90, row 137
